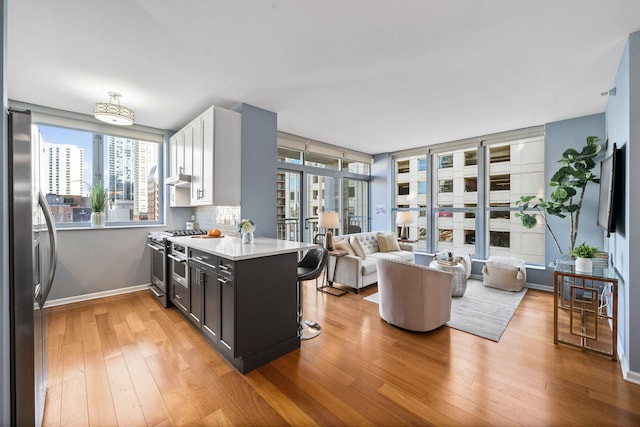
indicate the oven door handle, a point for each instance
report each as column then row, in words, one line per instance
column 175, row 258
column 156, row 247
column 156, row 292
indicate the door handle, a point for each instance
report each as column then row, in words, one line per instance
column 53, row 241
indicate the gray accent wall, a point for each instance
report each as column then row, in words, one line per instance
column 560, row 136
column 623, row 128
column 259, row 168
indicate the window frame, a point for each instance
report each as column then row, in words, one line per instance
column 483, row 209
column 85, row 123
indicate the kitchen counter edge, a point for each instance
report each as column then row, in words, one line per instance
column 234, row 249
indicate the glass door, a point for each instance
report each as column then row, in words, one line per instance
column 323, row 194
column 288, row 205
column 355, row 206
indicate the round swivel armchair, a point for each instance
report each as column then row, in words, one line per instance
column 310, row 267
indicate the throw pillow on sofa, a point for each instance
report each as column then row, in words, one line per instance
column 343, row 245
column 388, row 242
column 357, row 247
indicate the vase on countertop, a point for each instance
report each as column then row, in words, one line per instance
column 247, row 237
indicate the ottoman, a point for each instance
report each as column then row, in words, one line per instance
column 506, row 273
column 459, row 276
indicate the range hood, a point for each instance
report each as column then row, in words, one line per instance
column 179, row 180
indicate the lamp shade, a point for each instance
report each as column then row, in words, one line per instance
column 112, row 112
column 404, row 217
column 329, row 220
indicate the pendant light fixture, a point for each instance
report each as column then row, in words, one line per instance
column 112, row 112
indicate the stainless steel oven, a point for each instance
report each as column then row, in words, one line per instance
column 159, row 270
column 168, row 262
column 178, row 265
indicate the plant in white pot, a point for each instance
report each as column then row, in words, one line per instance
column 98, row 197
column 583, row 253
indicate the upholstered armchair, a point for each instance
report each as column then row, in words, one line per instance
column 413, row 297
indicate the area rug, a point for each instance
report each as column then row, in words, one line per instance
column 482, row 311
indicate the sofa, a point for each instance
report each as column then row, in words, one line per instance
column 358, row 268
column 412, row 296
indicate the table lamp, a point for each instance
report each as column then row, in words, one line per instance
column 403, row 218
column 328, row 221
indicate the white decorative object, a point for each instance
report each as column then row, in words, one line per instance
column 329, row 221
column 584, row 265
column 246, row 227
column 112, row 112
column 404, row 218
column 97, row 219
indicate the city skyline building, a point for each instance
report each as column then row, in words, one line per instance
column 65, row 170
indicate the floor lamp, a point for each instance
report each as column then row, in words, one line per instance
column 329, row 221
column 404, row 218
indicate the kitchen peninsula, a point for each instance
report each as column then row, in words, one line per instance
column 243, row 297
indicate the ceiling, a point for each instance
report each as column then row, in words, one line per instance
column 375, row 76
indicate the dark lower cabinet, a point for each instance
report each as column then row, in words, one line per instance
column 196, row 279
column 180, row 296
column 211, row 306
column 227, row 325
column 246, row 308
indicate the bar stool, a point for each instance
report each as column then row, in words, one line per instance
column 310, row 267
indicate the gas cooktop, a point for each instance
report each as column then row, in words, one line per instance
column 159, row 235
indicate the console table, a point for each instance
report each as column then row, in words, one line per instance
column 328, row 288
column 585, row 308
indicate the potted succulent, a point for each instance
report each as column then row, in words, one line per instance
column 98, row 197
column 583, row 253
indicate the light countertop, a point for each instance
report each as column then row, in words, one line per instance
column 232, row 247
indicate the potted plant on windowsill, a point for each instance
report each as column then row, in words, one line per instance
column 583, row 253
column 98, row 197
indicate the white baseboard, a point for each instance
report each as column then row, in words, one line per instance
column 96, row 295
column 627, row 375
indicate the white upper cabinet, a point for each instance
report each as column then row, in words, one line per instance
column 215, row 177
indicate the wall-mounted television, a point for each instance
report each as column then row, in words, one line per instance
column 610, row 187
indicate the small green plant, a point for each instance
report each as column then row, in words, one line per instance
column 583, row 250
column 98, row 196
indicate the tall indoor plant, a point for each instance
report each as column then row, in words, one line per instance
column 570, row 182
column 98, row 197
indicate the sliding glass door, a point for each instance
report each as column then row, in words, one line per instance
column 289, row 205
column 322, row 194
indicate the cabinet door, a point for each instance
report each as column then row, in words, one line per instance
column 180, row 296
column 186, row 160
column 211, row 309
column 173, row 154
column 196, row 278
column 227, row 159
column 227, row 327
column 202, row 179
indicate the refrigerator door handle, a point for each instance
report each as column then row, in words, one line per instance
column 53, row 241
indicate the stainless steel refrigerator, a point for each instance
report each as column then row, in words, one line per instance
column 32, row 261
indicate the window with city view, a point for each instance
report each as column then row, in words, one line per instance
column 74, row 159
column 459, row 182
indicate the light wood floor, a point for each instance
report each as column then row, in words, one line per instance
column 126, row 361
